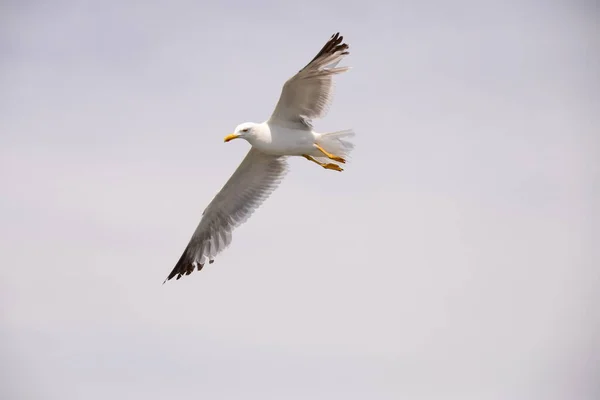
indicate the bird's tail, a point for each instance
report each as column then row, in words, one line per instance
column 337, row 143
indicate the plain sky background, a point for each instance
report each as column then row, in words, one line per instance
column 453, row 259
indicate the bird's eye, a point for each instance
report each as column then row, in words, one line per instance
column 245, row 130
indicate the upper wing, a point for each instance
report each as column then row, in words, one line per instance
column 308, row 94
column 254, row 180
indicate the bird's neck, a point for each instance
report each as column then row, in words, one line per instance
column 261, row 134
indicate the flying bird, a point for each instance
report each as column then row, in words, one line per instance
column 288, row 132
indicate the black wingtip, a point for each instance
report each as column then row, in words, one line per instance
column 184, row 266
column 333, row 45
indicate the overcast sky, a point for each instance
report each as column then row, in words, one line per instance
column 452, row 259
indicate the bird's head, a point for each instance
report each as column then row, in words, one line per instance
column 247, row 130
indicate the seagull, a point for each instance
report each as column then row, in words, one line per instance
column 287, row 133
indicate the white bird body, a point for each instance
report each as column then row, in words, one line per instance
column 288, row 132
column 279, row 140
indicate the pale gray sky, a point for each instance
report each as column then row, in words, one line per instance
column 452, row 259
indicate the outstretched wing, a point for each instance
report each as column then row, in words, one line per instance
column 308, row 94
column 250, row 185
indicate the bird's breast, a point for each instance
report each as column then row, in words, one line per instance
column 285, row 141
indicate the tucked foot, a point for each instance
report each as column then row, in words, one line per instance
column 329, row 155
column 333, row 167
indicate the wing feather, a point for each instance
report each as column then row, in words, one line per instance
column 308, row 94
column 250, row 185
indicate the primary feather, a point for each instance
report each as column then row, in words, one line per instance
column 250, row 185
column 308, row 94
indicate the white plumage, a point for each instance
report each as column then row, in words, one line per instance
column 288, row 132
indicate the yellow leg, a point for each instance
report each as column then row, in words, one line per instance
column 329, row 155
column 331, row 166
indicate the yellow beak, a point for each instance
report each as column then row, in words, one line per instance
column 231, row 137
